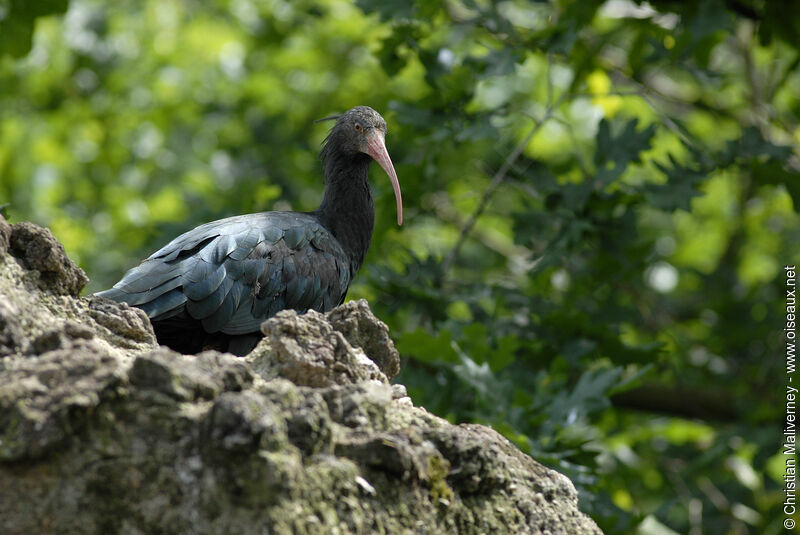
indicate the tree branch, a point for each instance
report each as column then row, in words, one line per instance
column 706, row 404
column 496, row 181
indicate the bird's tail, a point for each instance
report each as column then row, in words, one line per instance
column 111, row 293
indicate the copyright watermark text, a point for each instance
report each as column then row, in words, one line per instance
column 790, row 422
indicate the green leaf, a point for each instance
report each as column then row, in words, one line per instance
column 589, row 395
column 679, row 190
column 618, row 144
column 426, row 347
column 17, row 20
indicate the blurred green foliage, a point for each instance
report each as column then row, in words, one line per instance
column 600, row 199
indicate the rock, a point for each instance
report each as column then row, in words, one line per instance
column 5, row 235
column 362, row 329
column 44, row 400
column 11, row 334
column 39, row 250
column 123, row 325
column 38, row 310
column 184, row 378
column 103, row 431
column 307, row 350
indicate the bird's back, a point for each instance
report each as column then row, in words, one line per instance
column 226, row 277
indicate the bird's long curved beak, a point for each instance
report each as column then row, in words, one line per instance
column 376, row 147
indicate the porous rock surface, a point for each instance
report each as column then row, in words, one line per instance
column 103, row 431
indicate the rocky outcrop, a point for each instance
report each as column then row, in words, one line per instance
column 103, row 431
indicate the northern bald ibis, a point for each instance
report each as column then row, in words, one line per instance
column 214, row 285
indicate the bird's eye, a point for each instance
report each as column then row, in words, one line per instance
column 358, row 127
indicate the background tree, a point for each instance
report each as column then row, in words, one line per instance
column 600, row 199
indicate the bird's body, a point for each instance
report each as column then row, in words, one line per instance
column 216, row 284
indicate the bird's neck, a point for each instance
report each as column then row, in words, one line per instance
column 347, row 210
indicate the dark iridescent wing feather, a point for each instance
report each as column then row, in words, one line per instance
column 233, row 274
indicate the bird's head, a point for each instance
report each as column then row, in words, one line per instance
column 362, row 130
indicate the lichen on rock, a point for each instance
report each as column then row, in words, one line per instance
column 102, row 430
